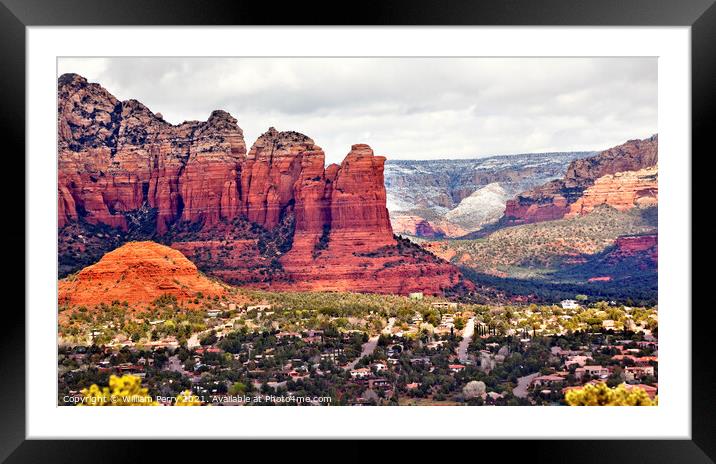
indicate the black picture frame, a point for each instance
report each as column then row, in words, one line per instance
column 16, row 15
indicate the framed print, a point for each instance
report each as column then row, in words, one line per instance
column 484, row 207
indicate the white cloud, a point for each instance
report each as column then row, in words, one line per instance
column 405, row 108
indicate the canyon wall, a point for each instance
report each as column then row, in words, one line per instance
column 601, row 179
column 623, row 191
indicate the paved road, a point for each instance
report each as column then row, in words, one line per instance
column 369, row 346
column 193, row 341
column 523, row 383
column 467, row 334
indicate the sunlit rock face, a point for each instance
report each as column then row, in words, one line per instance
column 623, row 177
column 272, row 216
column 137, row 272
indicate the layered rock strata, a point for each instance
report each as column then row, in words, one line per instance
column 557, row 198
column 273, row 215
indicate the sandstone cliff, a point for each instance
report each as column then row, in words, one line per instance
column 557, row 198
column 116, row 156
column 622, row 190
column 273, row 216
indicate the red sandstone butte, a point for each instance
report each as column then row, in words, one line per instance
column 136, row 272
column 622, row 190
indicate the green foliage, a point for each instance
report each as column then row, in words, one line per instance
column 322, row 242
column 538, row 258
column 635, row 291
column 165, row 300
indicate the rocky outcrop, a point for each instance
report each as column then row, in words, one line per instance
column 442, row 197
column 275, row 163
column 137, row 272
column 273, row 216
column 554, row 199
column 646, row 246
column 484, row 206
column 114, row 157
column 630, row 257
column 349, row 245
column 623, row 191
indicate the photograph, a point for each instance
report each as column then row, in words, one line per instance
column 357, row 231
column 466, row 219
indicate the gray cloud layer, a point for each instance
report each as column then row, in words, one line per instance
column 405, row 108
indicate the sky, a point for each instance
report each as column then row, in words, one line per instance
column 404, row 108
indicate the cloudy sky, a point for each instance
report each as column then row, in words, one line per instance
column 405, row 108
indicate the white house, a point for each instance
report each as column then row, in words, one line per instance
column 379, row 366
column 569, row 304
column 594, row 371
column 361, row 373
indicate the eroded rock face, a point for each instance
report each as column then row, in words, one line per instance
column 634, row 245
column 116, row 156
column 349, row 244
column 482, row 207
column 137, row 272
column 554, row 199
column 275, row 162
column 623, row 191
column 273, row 216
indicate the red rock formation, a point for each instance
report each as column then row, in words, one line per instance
column 520, row 211
column 623, row 191
column 553, row 200
column 116, row 156
column 275, row 162
column 350, row 245
column 631, row 255
column 358, row 196
column 328, row 227
column 137, row 272
column 634, row 245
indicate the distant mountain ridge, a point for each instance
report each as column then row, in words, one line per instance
column 422, row 193
column 598, row 179
column 595, row 226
